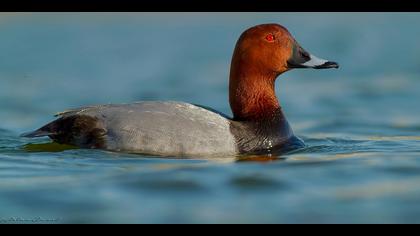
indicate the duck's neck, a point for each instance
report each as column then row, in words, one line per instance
column 252, row 94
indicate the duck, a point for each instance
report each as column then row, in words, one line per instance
column 174, row 128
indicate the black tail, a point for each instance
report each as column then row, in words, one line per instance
column 49, row 129
column 78, row 130
column 36, row 134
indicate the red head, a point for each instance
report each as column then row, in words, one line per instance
column 261, row 54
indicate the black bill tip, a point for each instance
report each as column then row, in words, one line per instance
column 327, row 65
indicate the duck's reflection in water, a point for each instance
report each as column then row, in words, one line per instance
column 260, row 158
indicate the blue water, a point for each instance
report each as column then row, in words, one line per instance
column 360, row 122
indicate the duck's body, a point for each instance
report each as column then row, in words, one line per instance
column 165, row 128
column 258, row 124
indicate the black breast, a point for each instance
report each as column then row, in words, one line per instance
column 272, row 134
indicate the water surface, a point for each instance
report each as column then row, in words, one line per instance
column 360, row 122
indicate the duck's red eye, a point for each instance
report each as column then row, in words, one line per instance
column 269, row 37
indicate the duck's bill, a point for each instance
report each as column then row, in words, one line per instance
column 318, row 63
column 302, row 59
column 315, row 63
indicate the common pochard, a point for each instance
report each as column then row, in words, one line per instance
column 171, row 128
